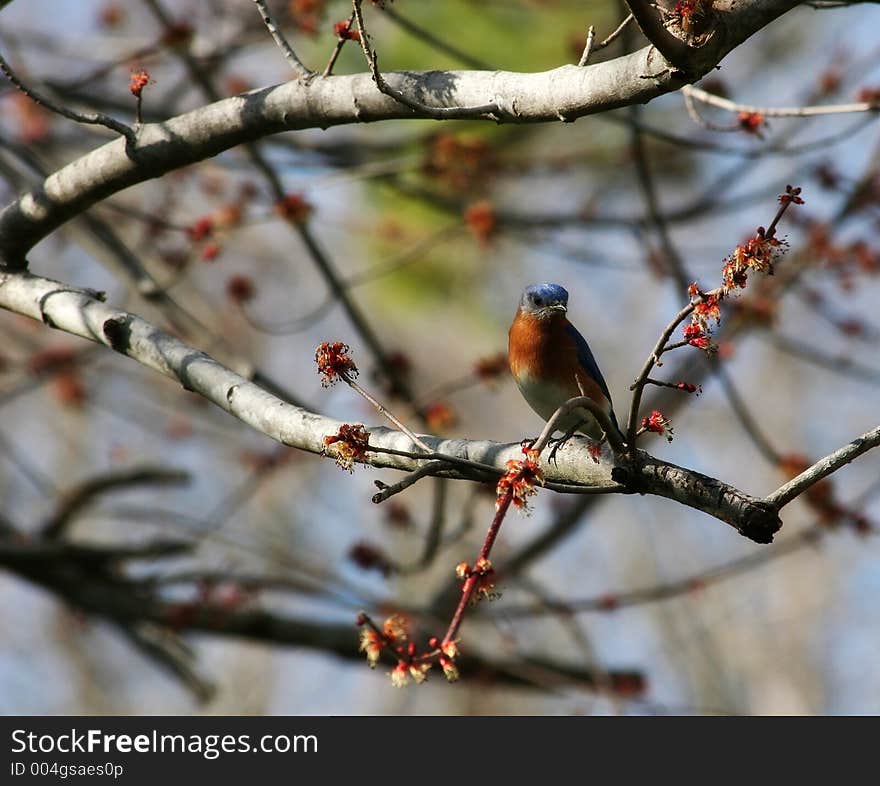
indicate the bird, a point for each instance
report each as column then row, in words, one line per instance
column 551, row 361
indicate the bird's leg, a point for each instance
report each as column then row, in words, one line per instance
column 558, row 443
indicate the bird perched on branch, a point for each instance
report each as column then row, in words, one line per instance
column 552, row 362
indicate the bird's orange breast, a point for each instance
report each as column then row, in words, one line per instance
column 542, row 349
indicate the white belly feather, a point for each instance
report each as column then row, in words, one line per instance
column 545, row 398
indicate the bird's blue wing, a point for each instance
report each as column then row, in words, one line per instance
column 586, row 359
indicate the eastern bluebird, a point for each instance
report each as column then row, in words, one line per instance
column 552, row 362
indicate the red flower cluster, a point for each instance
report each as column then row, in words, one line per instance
column 758, row 253
column 869, row 95
column 350, row 444
column 111, row 15
column 458, row 162
column 200, row 229
column 210, row 251
column 177, row 34
column 51, row 360
column 658, row 424
column 139, row 80
column 367, row 557
column 397, row 515
column 752, row 122
column 845, row 260
column 792, row 196
column 343, row 31
column 488, row 369
column 333, row 362
column 691, row 14
column 240, row 289
column 706, row 309
column 520, row 480
column 439, row 416
column 484, row 573
column 294, row 208
column 481, row 220
column 307, row 14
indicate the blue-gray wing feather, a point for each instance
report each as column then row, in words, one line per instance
column 586, row 359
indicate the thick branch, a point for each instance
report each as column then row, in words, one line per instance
column 77, row 582
column 650, row 20
column 753, row 518
column 564, row 93
column 83, row 313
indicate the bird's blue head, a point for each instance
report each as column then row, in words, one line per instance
column 544, row 300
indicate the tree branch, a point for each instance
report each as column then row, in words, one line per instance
column 83, row 313
column 564, row 93
column 299, row 68
column 783, row 111
column 78, row 581
column 824, row 467
column 72, row 503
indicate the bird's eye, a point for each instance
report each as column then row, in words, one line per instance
column 538, row 301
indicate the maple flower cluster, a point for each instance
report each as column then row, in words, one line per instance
column 657, row 423
column 481, row 220
column 697, row 337
column 484, row 575
column 139, row 80
column 752, row 122
column 758, row 253
column 520, row 480
column 294, row 208
column 691, row 14
column 707, row 307
column 343, row 31
column 460, row 163
column 412, row 666
column 490, row 368
column 333, row 362
column 350, row 444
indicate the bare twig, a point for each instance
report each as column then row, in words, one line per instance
column 72, row 503
column 384, row 411
column 672, row 257
column 588, row 47
column 302, row 71
column 690, row 105
column 792, row 111
column 591, row 34
column 166, row 650
column 337, row 50
column 490, row 110
column 386, row 491
column 639, row 385
column 89, row 118
column 824, row 467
